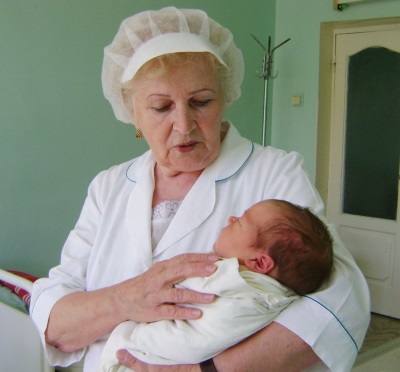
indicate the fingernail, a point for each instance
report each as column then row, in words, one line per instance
column 213, row 258
column 121, row 355
column 208, row 297
column 196, row 312
column 210, row 268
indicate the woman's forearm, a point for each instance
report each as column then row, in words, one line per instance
column 275, row 348
column 80, row 318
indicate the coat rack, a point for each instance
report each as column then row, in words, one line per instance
column 266, row 75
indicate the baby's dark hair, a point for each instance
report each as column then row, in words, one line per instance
column 301, row 246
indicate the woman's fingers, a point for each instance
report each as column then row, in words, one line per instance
column 195, row 257
column 177, row 296
column 172, row 310
column 153, row 295
column 178, row 312
column 185, row 266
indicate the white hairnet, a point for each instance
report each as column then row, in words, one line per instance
column 152, row 33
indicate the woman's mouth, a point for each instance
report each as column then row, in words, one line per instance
column 186, row 147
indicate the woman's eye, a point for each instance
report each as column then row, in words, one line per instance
column 201, row 103
column 161, row 108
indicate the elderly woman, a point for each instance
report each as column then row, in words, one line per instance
column 146, row 224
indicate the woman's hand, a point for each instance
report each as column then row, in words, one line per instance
column 80, row 318
column 152, row 295
column 128, row 360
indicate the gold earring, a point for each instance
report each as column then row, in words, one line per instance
column 138, row 134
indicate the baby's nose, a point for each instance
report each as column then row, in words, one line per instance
column 231, row 219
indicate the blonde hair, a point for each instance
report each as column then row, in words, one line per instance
column 162, row 64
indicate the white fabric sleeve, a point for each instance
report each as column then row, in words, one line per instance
column 339, row 314
column 68, row 277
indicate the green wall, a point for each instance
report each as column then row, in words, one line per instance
column 56, row 129
column 295, row 128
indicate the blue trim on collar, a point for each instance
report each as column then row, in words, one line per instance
column 126, row 173
column 216, row 181
column 223, row 179
column 319, row 303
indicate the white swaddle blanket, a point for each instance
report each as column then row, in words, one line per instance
column 246, row 303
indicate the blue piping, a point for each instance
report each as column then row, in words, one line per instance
column 352, row 339
column 223, row 179
column 126, row 173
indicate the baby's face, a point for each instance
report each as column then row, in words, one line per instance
column 239, row 237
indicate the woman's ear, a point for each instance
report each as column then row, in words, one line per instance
column 261, row 263
column 134, row 121
column 128, row 100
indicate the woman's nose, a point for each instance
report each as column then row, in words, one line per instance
column 184, row 121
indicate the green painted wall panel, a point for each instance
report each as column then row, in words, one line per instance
column 295, row 128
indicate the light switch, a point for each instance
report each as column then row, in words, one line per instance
column 297, row 99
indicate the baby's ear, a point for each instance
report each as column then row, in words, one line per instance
column 261, row 263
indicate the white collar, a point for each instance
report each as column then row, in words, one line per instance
column 235, row 151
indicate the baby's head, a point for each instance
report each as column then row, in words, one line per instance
column 282, row 240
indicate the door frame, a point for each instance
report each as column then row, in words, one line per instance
column 384, row 290
column 328, row 32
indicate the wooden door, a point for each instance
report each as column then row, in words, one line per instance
column 363, row 188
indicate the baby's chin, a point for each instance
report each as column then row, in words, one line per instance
column 215, row 249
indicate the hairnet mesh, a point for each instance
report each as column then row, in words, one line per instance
column 141, row 28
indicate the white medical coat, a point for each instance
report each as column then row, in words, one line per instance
column 246, row 302
column 111, row 242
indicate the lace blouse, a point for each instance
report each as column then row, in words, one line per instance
column 161, row 218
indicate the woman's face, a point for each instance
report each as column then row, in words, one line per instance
column 180, row 113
